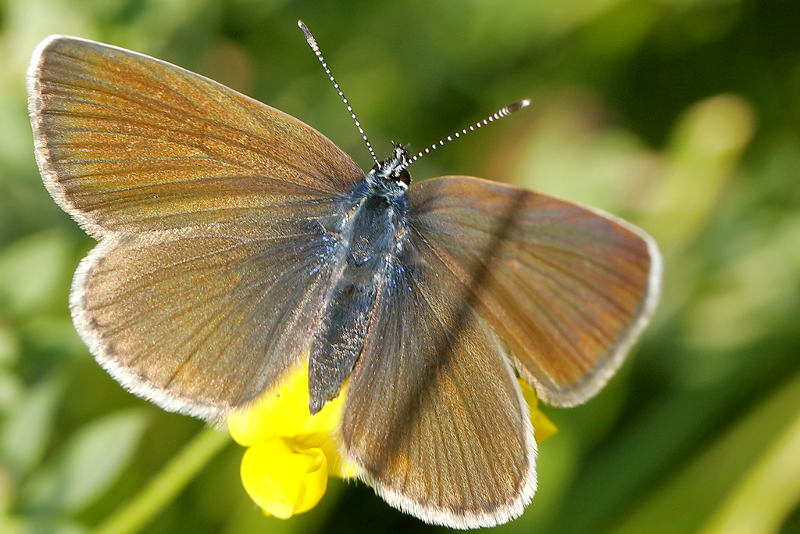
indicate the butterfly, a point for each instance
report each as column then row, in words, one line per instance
column 234, row 239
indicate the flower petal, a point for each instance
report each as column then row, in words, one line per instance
column 284, row 481
column 543, row 427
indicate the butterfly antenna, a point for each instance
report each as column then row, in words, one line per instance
column 499, row 114
column 315, row 47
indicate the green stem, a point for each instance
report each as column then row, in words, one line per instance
column 166, row 485
column 767, row 494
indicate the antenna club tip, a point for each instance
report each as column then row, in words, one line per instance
column 305, row 30
column 519, row 104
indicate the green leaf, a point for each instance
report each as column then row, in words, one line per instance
column 32, row 270
column 768, row 492
column 705, row 149
column 11, row 390
column 684, row 502
column 26, row 431
column 90, row 462
column 9, row 345
column 19, row 525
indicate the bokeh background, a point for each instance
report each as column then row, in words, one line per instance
column 681, row 115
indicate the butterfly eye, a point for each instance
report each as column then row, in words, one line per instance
column 402, row 176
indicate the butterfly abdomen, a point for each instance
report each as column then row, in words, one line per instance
column 369, row 239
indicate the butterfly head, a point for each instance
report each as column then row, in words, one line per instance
column 391, row 175
column 394, row 168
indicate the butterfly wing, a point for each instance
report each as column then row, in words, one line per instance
column 434, row 416
column 204, row 319
column 211, row 209
column 567, row 288
column 126, row 142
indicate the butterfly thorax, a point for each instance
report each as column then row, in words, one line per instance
column 370, row 244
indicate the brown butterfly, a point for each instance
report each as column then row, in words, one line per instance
column 234, row 239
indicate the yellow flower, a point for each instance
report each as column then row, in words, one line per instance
column 543, row 427
column 291, row 453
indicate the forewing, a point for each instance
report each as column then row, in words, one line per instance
column 568, row 289
column 434, row 415
column 126, row 142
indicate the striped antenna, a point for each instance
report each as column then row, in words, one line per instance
column 315, row 47
column 499, row 114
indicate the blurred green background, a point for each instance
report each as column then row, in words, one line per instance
column 681, row 115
